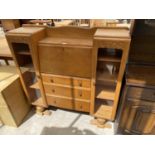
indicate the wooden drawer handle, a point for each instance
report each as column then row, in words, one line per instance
column 54, row 101
column 53, row 90
column 52, row 80
column 80, row 106
column 80, row 93
column 80, row 83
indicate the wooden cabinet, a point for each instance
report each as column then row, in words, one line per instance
column 23, row 45
column 14, row 105
column 111, row 47
column 71, row 66
column 138, row 102
column 138, row 119
column 137, row 111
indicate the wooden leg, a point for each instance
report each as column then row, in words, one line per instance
column 94, row 121
column 47, row 112
column 39, row 110
column 101, row 123
column 1, row 123
column 6, row 62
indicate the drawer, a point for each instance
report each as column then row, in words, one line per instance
column 68, row 103
column 137, row 102
column 66, row 80
column 66, row 91
column 141, row 93
column 65, row 60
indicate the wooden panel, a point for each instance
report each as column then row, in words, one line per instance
column 138, row 117
column 65, row 61
column 141, row 75
column 71, row 32
column 112, row 33
column 68, row 103
column 4, row 48
column 9, row 24
column 67, row 41
column 13, row 103
column 141, row 93
column 142, row 50
column 66, row 80
column 142, row 120
column 66, row 91
column 25, row 31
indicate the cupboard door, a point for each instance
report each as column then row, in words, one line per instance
column 71, row 61
column 139, row 119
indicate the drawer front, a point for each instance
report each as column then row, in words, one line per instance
column 71, row 81
column 65, row 60
column 140, row 93
column 66, row 103
column 66, row 91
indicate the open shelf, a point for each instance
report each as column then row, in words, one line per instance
column 103, row 77
column 24, row 53
column 29, row 67
column 38, row 102
column 35, row 85
column 109, row 59
column 109, row 55
column 106, row 92
column 103, row 109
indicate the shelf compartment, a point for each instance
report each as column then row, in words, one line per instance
column 24, row 52
column 35, row 85
column 105, row 76
column 29, row 67
column 107, row 58
column 109, row 55
column 38, row 102
column 106, row 92
column 103, row 109
column 20, row 47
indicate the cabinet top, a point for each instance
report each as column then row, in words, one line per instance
column 26, row 30
column 113, row 33
column 140, row 75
